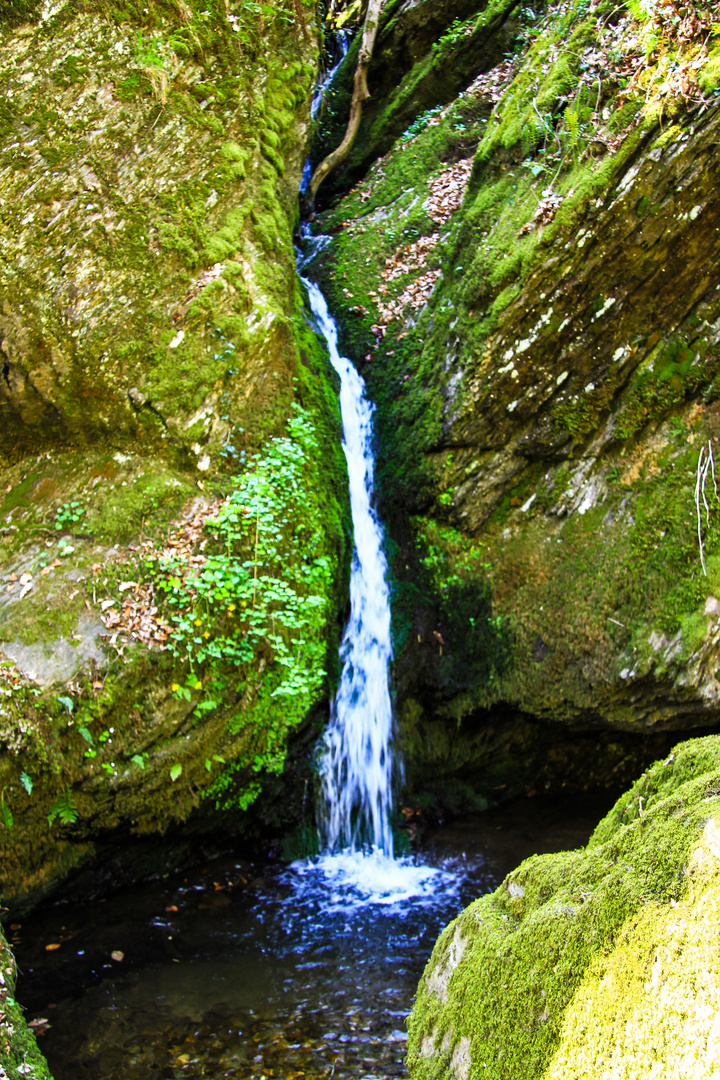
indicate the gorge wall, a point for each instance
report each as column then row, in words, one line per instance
column 523, row 258
column 597, row 962
column 529, row 278
column 173, row 514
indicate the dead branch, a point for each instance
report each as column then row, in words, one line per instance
column 703, row 468
column 359, row 97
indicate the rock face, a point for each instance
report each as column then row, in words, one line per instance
column 173, row 522
column 528, row 278
column 598, row 962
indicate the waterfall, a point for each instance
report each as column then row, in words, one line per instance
column 357, row 762
column 356, row 759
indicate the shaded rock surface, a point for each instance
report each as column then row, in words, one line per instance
column 156, row 365
column 426, row 53
column 19, row 1053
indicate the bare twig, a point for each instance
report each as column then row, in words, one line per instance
column 697, row 507
column 705, row 465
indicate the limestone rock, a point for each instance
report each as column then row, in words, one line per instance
column 153, row 347
column 527, row 278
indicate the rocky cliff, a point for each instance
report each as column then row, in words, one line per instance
column 528, row 277
column 173, row 522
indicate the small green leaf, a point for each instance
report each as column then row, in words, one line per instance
column 86, row 735
column 138, row 759
column 175, row 772
column 67, row 702
column 26, row 782
column 65, row 809
column 6, row 815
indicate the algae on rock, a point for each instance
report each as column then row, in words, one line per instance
column 20, row 1058
column 529, row 278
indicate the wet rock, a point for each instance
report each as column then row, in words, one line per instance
column 541, row 416
column 151, row 343
column 58, row 660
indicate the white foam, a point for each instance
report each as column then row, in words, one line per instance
column 356, row 879
column 357, row 766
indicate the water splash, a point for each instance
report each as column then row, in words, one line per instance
column 358, row 762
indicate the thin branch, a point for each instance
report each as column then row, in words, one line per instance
column 359, row 97
column 697, row 506
column 706, row 467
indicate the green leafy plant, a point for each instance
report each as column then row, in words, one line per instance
column 26, row 782
column 420, row 124
column 64, row 809
column 68, row 514
column 261, row 589
column 6, row 817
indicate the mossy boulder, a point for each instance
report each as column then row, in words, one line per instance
column 20, row 1058
column 173, row 512
column 527, row 279
column 597, row 962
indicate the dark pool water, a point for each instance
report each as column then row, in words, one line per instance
column 250, row 971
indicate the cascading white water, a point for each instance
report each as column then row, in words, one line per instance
column 358, row 764
column 342, row 41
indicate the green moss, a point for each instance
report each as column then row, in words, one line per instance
column 709, row 77
column 507, row 979
column 673, row 371
column 184, row 354
column 18, row 1050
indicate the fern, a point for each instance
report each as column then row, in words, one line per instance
column 65, row 809
column 641, row 10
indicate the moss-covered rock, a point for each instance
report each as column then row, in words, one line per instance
column 598, row 962
column 527, row 279
column 20, row 1058
column 425, row 55
column 173, row 515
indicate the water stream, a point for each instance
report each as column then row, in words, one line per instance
column 358, row 764
column 304, row 972
column 258, row 971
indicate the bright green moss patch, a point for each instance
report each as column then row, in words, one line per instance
column 532, row 393
column 171, row 192
column 151, row 290
column 533, row 979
